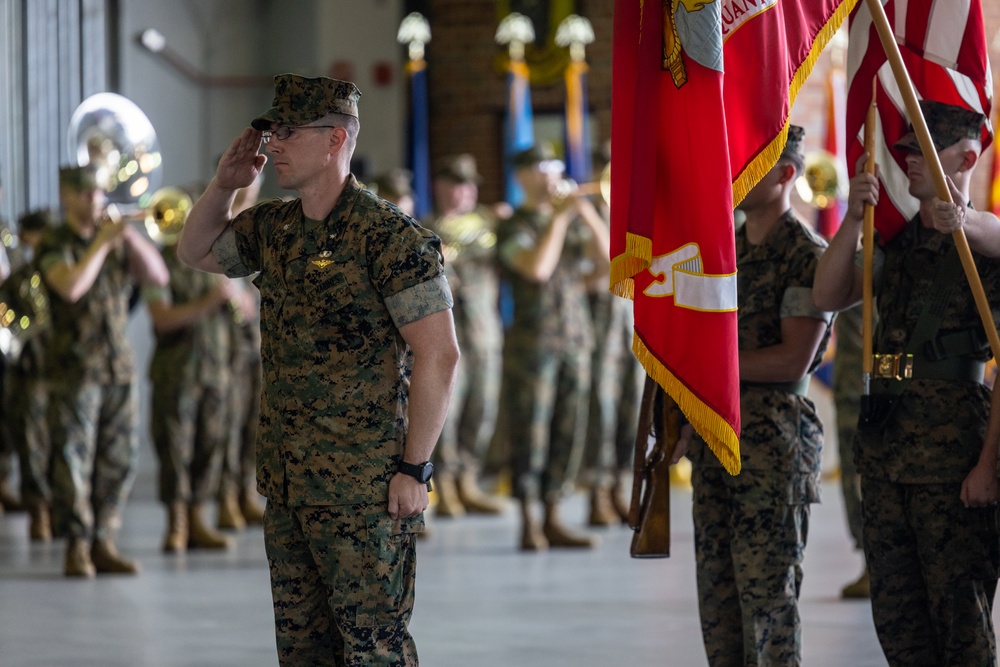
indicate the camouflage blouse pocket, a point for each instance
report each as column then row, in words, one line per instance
column 329, row 303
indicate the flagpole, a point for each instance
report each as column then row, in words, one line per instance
column 937, row 173
column 868, row 254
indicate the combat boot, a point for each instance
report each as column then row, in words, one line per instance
column 473, row 498
column 200, row 536
column 40, row 523
column 10, row 501
column 230, row 517
column 176, row 538
column 602, row 509
column 251, row 507
column 858, row 590
column 618, row 499
column 559, row 535
column 532, row 536
column 78, row 562
column 448, row 502
column 107, row 560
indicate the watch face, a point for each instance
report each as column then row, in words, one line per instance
column 426, row 470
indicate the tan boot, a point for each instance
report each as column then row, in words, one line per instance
column 251, row 507
column 620, row 499
column 474, row 500
column 559, row 535
column 602, row 509
column 532, row 536
column 40, row 523
column 107, row 560
column 858, row 590
column 176, row 538
column 78, row 562
column 230, row 517
column 448, row 502
column 10, row 500
column 200, row 536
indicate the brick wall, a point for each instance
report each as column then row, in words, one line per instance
column 468, row 92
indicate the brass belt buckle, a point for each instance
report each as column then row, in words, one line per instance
column 893, row 366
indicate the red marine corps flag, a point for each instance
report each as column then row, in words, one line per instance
column 943, row 45
column 700, row 104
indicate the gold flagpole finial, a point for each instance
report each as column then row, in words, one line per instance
column 515, row 30
column 575, row 32
column 414, row 31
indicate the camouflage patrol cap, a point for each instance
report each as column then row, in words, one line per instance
column 948, row 124
column 458, row 168
column 35, row 221
column 299, row 100
column 542, row 155
column 393, row 184
column 793, row 146
column 79, row 178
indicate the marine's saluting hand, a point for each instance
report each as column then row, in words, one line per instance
column 241, row 164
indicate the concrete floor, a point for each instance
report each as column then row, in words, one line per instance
column 479, row 600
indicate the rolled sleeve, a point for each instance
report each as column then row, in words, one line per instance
column 798, row 302
column 419, row 301
column 227, row 254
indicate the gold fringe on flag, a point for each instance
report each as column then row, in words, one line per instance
column 716, row 431
column 768, row 156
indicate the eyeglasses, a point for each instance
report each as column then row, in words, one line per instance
column 284, row 131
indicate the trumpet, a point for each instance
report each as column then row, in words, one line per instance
column 567, row 188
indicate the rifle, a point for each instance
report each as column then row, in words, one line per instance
column 649, row 513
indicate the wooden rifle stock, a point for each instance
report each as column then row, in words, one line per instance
column 649, row 513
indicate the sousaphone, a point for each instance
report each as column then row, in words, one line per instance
column 112, row 133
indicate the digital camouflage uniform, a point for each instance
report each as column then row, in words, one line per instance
column 469, row 246
column 616, row 390
column 92, row 410
column 933, row 563
column 847, row 390
column 751, row 529
column 189, row 372
column 24, row 305
column 546, row 361
column 243, row 405
column 333, row 421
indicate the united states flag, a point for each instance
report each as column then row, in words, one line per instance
column 944, row 48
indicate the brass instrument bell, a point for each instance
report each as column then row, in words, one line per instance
column 166, row 214
column 819, row 184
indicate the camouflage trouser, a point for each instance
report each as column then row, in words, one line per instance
column 615, row 392
column 26, row 404
column 95, row 440
column 189, row 427
column 933, row 566
column 239, row 463
column 342, row 582
column 546, row 402
column 472, row 414
column 748, row 548
column 848, row 408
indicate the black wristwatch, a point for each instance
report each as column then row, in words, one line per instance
column 422, row 472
